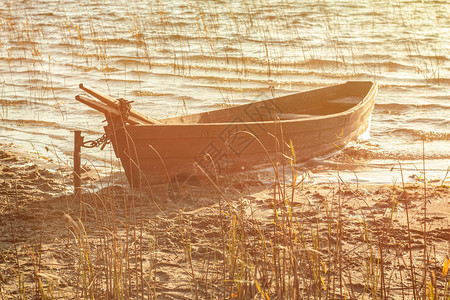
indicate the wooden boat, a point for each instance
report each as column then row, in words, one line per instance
column 292, row 128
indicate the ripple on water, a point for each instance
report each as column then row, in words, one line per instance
column 209, row 55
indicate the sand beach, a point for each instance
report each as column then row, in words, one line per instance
column 368, row 222
column 241, row 239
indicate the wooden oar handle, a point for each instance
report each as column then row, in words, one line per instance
column 110, row 101
column 106, row 110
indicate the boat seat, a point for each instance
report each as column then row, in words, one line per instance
column 291, row 116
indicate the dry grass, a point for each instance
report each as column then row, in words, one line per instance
column 288, row 242
column 234, row 240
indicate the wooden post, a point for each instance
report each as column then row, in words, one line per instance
column 78, row 140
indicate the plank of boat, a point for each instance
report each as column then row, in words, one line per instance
column 290, row 116
column 345, row 101
column 110, row 101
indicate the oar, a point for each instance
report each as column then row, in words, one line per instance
column 110, row 101
column 106, row 110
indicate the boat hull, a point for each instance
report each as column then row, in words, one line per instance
column 158, row 153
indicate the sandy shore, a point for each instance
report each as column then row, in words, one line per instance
column 198, row 240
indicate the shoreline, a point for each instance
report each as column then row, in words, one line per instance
column 41, row 235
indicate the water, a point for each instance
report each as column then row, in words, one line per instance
column 177, row 57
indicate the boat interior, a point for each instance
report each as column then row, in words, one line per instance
column 320, row 102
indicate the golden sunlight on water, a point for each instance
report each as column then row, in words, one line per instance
column 178, row 57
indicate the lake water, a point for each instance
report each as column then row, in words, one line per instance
column 177, row 57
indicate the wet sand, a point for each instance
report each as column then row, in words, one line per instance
column 178, row 241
